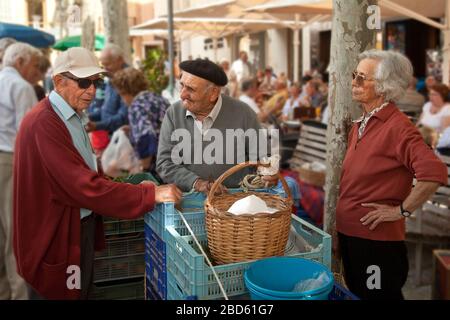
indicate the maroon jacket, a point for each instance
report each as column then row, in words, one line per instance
column 51, row 183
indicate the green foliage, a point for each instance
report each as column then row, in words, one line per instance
column 153, row 68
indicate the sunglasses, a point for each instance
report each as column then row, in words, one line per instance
column 84, row 83
column 360, row 77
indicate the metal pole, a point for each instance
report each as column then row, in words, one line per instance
column 446, row 48
column 171, row 46
column 296, row 47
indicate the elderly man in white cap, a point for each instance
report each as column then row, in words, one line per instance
column 60, row 193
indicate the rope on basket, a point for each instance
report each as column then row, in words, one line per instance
column 205, row 255
column 253, row 181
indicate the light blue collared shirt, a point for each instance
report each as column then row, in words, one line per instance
column 75, row 124
column 16, row 99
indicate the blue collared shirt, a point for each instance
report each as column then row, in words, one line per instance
column 75, row 124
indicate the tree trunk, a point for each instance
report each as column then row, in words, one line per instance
column 115, row 17
column 88, row 34
column 350, row 37
column 60, row 18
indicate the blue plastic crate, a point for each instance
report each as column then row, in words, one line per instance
column 192, row 207
column 151, row 293
column 166, row 214
column 189, row 276
column 340, row 293
column 155, row 263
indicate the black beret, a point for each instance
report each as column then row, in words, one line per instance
column 205, row 69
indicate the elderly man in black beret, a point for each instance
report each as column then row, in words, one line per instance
column 202, row 121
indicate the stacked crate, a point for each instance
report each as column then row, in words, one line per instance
column 175, row 268
column 119, row 269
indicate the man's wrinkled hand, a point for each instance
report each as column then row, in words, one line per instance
column 270, row 181
column 166, row 193
column 205, row 186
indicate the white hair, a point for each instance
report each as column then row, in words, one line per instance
column 114, row 50
column 5, row 43
column 392, row 75
column 19, row 50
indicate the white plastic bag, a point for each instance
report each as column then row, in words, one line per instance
column 317, row 282
column 119, row 156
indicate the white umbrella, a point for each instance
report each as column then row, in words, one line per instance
column 311, row 11
column 214, row 28
column 418, row 10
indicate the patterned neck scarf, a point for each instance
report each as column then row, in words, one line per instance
column 366, row 117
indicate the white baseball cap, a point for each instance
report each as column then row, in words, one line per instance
column 80, row 62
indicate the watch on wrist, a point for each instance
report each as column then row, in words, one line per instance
column 403, row 212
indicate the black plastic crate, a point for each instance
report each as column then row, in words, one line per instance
column 123, row 245
column 130, row 289
column 117, row 226
column 119, row 268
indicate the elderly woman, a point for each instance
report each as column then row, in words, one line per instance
column 145, row 114
column 437, row 109
column 385, row 152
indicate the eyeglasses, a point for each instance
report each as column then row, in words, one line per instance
column 360, row 77
column 84, row 83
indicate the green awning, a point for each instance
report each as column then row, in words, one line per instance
column 75, row 41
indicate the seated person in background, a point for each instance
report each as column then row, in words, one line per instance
column 283, row 77
column 429, row 135
column 429, row 82
column 312, row 96
column 249, row 93
column 146, row 112
column 259, row 78
column 269, row 81
column 443, row 144
column 292, row 102
column 232, row 87
column 274, row 105
column 412, row 101
column 436, row 109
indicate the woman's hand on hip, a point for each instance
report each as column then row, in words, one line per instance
column 382, row 213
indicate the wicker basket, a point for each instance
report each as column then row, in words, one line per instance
column 315, row 178
column 237, row 238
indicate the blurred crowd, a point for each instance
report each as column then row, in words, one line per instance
column 273, row 96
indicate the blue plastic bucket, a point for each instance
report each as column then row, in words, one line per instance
column 275, row 278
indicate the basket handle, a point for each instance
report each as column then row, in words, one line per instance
column 239, row 167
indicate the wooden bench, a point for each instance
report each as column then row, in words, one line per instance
column 312, row 144
column 430, row 224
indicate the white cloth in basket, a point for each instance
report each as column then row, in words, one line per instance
column 250, row 205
